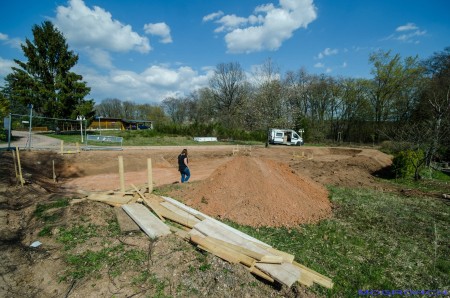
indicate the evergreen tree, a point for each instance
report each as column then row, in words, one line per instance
column 45, row 80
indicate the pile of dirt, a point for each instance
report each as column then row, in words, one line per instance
column 258, row 192
column 357, row 170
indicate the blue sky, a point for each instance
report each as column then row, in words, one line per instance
column 145, row 51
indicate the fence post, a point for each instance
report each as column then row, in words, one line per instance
column 150, row 175
column 121, row 174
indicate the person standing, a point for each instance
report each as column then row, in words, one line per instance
column 183, row 167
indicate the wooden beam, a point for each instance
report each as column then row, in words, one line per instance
column 121, row 174
column 203, row 216
column 315, row 276
column 219, row 251
column 255, row 255
column 189, row 217
column 285, row 273
column 166, row 213
column 19, row 166
column 148, row 222
column 150, row 205
column 126, row 224
column 150, row 175
column 213, row 229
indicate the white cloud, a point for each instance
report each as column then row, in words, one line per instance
column 159, row 29
column 407, row 27
column 99, row 57
column 13, row 42
column 267, row 28
column 408, row 33
column 327, row 52
column 152, row 85
column 213, row 16
column 319, row 65
column 5, row 67
column 96, row 28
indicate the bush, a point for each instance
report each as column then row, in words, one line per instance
column 3, row 135
column 407, row 163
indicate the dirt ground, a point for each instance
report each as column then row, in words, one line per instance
column 275, row 186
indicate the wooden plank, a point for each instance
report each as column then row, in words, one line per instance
column 149, row 204
column 203, row 216
column 315, row 276
column 179, row 232
column 288, row 258
column 259, row 273
column 257, row 256
column 166, row 213
column 180, row 212
column 119, row 199
column 126, row 224
column 243, row 259
column 305, row 279
column 212, row 229
column 285, row 273
column 148, row 222
column 215, row 249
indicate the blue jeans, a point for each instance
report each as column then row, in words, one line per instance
column 185, row 175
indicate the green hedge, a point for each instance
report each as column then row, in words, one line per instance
column 407, row 163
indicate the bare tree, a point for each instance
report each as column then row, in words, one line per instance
column 437, row 94
column 110, row 107
column 228, row 87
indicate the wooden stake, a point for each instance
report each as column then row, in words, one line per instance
column 150, row 175
column 121, row 174
column 54, row 174
column 20, row 168
column 78, row 147
column 15, row 164
column 62, row 147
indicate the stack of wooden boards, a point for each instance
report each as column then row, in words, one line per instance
column 211, row 235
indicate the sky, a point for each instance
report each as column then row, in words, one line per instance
column 145, row 51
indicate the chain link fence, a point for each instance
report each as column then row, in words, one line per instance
column 29, row 131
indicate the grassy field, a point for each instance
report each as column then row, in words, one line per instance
column 147, row 138
column 374, row 241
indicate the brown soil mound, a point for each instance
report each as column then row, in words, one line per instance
column 258, row 192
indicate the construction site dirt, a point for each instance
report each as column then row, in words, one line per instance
column 255, row 186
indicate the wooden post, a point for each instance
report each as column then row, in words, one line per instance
column 150, row 175
column 54, row 174
column 62, row 147
column 20, row 168
column 121, row 175
column 15, row 163
column 78, row 147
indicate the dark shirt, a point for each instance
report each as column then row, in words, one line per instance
column 181, row 164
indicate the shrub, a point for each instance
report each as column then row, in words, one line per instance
column 3, row 135
column 407, row 163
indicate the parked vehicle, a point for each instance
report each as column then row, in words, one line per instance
column 285, row 137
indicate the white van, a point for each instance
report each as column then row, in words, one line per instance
column 285, row 137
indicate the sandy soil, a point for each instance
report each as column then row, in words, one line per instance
column 275, row 186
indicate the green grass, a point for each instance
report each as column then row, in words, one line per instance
column 107, row 255
column 432, row 181
column 146, row 138
column 42, row 208
column 374, row 241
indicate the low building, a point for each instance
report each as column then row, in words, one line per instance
column 106, row 123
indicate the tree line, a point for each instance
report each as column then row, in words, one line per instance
column 405, row 99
